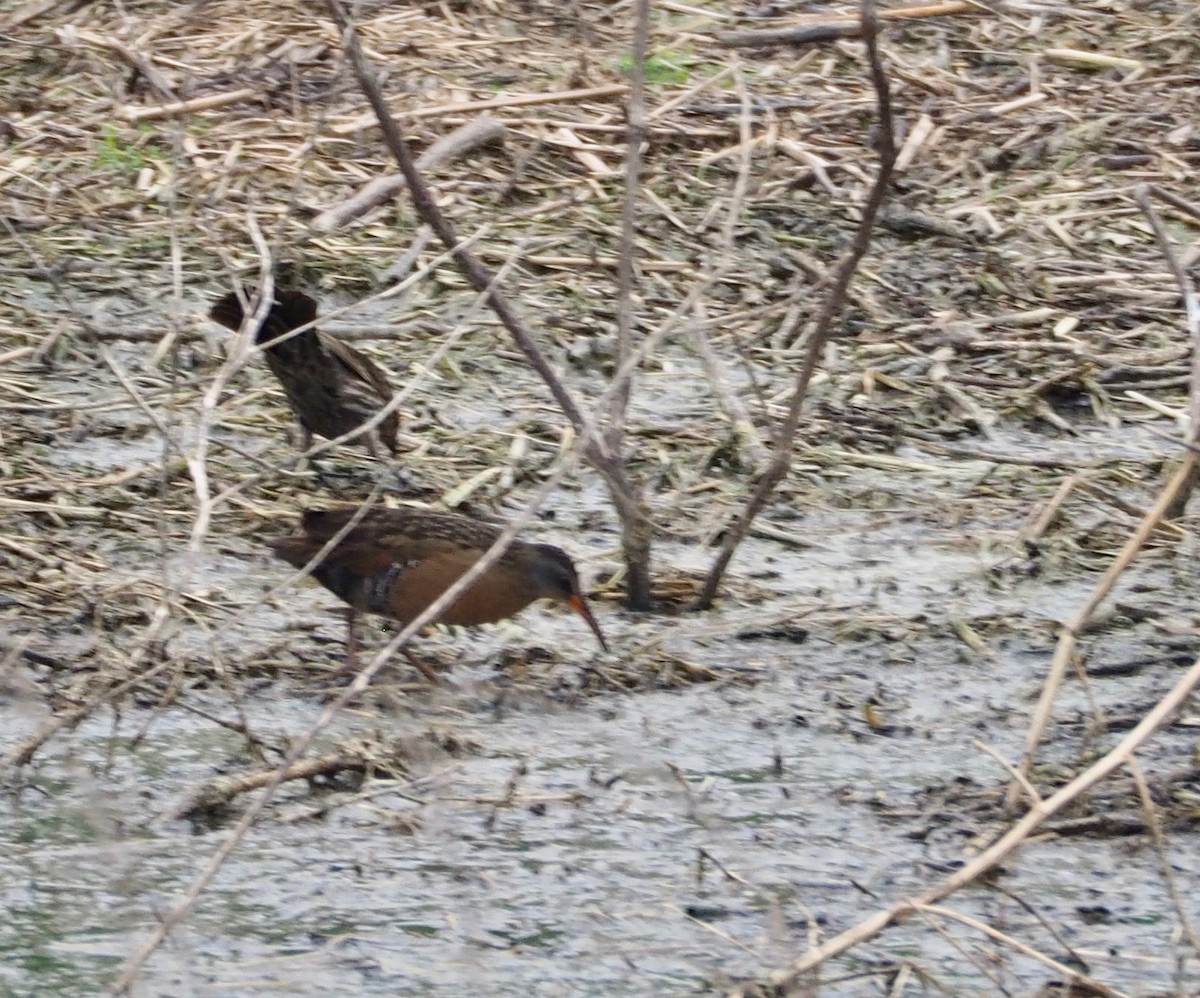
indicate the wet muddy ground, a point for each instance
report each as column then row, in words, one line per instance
column 632, row 845
column 725, row 789
column 671, row 819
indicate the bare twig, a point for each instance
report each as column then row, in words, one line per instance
column 1191, row 307
column 635, row 534
column 197, row 460
column 635, row 521
column 835, row 297
column 743, row 426
column 1154, row 823
column 635, row 138
column 221, row 791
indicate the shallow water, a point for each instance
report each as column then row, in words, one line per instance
column 574, row 850
column 659, row 841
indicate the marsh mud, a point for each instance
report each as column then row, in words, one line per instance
column 674, row 818
column 997, row 407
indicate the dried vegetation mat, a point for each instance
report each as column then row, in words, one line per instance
column 1013, row 325
column 1014, row 284
column 1011, row 361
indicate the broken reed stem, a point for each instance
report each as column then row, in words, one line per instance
column 745, row 432
column 1170, row 502
column 835, row 298
column 1154, row 823
column 635, row 138
column 631, row 508
column 220, row 791
column 495, row 104
column 1003, row 847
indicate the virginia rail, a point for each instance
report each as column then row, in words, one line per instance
column 396, row 562
column 331, row 387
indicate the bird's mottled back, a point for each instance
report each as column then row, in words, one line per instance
column 398, row 561
column 332, row 388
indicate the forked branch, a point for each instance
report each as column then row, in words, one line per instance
column 635, row 522
column 835, row 298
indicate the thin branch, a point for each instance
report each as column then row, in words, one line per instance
column 197, row 461
column 1155, row 824
column 835, row 298
column 631, row 509
column 635, row 139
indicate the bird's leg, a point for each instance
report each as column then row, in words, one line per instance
column 350, row 667
column 322, row 476
column 305, row 444
column 375, row 446
column 421, row 667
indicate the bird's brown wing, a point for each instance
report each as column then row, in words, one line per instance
column 380, row 537
column 451, row 529
column 360, row 370
column 360, row 366
column 322, row 524
column 362, row 555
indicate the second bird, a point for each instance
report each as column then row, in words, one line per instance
column 396, row 562
column 331, row 387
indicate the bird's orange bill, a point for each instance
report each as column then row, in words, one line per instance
column 577, row 604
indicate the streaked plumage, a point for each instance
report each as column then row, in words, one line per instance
column 396, row 562
column 330, row 386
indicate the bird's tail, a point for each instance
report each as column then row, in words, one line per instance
column 290, row 310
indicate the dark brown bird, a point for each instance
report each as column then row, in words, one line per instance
column 396, row 562
column 331, row 387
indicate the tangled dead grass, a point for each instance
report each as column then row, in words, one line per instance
column 1014, row 290
column 1015, row 283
